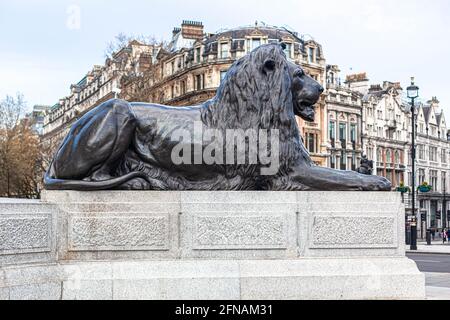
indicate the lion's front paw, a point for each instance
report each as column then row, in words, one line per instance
column 376, row 183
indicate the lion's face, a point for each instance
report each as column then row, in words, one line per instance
column 305, row 92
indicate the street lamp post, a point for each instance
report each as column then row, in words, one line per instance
column 444, row 207
column 413, row 93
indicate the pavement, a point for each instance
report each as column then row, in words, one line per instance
column 437, row 286
column 436, row 247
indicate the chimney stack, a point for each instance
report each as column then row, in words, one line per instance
column 175, row 31
column 358, row 82
column 192, row 30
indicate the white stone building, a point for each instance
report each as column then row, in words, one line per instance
column 385, row 131
column 344, row 113
column 433, row 164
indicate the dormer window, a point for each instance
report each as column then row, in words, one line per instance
column 253, row 44
column 197, row 55
column 433, row 131
column 311, row 55
column 288, row 50
column 224, row 50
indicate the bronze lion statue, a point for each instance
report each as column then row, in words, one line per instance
column 134, row 146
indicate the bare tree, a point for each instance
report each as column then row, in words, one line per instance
column 20, row 157
column 122, row 40
column 11, row 110
column 139, row 72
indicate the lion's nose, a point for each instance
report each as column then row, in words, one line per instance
column 321, row 89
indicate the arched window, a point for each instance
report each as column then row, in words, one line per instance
column 388, row 156
column 397, row 157
column 379, row 155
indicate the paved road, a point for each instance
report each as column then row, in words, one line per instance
column 439, row 263
column 436, row 268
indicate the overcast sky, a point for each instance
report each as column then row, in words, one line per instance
column 44, row 47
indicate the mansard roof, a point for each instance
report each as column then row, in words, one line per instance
column 439, row 118
column 426, row 112
column 244, row 32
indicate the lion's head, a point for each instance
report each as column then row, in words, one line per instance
column 305, row 92
column 263, row 89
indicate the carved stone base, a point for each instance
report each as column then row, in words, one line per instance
column 207, row 245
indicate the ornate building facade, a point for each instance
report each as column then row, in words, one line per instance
column 98, row 85
column 188, row 72
column 433, row 164
column 385, row 131
column 344, row 109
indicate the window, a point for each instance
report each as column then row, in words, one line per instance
column 224, row 50
column 311, row 142
column 380, row 132
column 397, row 157
column 421, row 152
column 183, row 87
column 434, row 179
column 444, row 156
column 288, row 50
column 343, row 134
column 172, row 91
column 433, row 131
column 433, row 154
column 379, row 155
column 380, row 114
column 388, row 156
column 332, row 131
column 353, row 133
column 253, row 44
column 197, row 55
column 222, row 75
column 311, row 55
column 391, row 115
column 172, row 67
column 421, row 176
column 199, row 81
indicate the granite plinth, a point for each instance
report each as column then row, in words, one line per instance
column 207, row 245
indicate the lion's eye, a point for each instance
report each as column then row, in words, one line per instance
column 299, row 73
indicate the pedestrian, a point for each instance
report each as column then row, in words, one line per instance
column 444, row 236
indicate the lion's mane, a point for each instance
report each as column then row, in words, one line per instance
column 252, row 97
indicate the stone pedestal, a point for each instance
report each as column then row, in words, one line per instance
column 206, row 245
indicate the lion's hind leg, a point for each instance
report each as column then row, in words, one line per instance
column 96, row 143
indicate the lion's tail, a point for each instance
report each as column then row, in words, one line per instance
column 79, row 185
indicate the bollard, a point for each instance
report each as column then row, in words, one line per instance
column 428, row 237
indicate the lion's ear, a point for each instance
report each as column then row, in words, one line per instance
column 269, row 65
